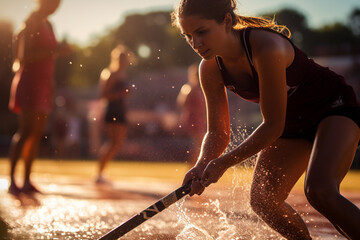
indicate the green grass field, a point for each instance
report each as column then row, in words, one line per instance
column 152, row 171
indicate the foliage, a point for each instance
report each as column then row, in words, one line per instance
column 333, row 39
column 295, row 21
column 336, row 38
column 155, row 31
column 152, row 30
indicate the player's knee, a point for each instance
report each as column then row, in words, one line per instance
column 261, row 201
column 256, row 205
column 319, row 195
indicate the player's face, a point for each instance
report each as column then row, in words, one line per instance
column 203, row 35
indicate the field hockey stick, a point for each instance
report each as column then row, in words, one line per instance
column 148, row 213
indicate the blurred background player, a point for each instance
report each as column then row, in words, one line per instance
column 192, row 107
column 32, row 90
column 114, row 89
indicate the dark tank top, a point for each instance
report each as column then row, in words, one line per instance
column 116, row 109
column 313, row 90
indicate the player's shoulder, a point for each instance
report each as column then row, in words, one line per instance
column 32, row 23
column 266, row 43
column 209, row 66
column 266, row 39
column 210, row 75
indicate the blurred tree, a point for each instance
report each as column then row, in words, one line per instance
column 331, row 39
column 295, row 21
column 150, row 36
column 153, row 31
column 334, row 39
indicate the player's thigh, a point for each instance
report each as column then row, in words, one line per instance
column 280, row 165
column 117, row 132
column 32, row 122
column 334, row 149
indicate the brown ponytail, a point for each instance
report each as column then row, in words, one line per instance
column 260, row 22
column 217, row 9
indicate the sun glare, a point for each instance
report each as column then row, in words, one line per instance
column 4, row 184
column 144, row 51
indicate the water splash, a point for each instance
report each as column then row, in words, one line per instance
column 191, row 231
column 227, row 216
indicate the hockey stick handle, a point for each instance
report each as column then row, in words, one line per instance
column 148, row 213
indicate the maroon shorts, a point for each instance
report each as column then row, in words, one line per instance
column 352, row 113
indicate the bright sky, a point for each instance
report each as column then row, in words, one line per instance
column 80, row 20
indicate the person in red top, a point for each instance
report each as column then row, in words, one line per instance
column 311, row 117
column 32, row 88
column 191, row 103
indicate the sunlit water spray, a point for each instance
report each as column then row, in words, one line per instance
column 226, row 215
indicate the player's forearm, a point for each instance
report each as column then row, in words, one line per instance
column 213, row 146
column 261, row 138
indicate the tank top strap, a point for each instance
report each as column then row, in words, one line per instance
column 247, row 46
column 223, row 71
column 220, row 63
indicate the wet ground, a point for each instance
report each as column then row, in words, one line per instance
column 76, row 208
